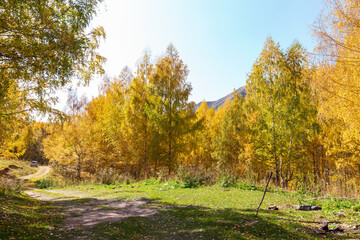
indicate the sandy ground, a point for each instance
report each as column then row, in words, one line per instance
column 42, row 171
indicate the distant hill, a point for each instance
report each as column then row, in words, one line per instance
column 216, row 104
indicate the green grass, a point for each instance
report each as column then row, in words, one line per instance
column 209, row 212
column 24, row 218
column 45, row 183
column 23, row 170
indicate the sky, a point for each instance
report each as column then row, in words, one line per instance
column 219, row 40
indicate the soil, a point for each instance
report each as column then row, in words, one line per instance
column 14, row 167
column 82, row 212
column 106, row 211
column 85, row 213
column 5, row 172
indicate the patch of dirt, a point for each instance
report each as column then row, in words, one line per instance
column 69, row 193
column 5, row 171
column 45, row 197
column 14, row 167
column 106, row 211
column 85, row 213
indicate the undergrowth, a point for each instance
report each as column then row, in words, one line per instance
column 9, row 186
column 190, row 179
column 45, row 183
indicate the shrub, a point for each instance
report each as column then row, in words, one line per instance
column 69, row 175
column 190, row 179
column 161, row 175
column 45, row 183
column 246, row 186
column 174, row 184
column 227, row 180
column 151, row 181
column 108, row 176
column 279, row 191
column 356, row 208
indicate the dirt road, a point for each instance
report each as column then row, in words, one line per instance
column 42, row 171
column 83, row 213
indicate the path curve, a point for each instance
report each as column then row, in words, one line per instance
column 42, row 171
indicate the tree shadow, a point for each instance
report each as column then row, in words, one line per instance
column 25, row 218
column 32, row 219
column 174, row 221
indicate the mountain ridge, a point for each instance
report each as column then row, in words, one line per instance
column 217, row 103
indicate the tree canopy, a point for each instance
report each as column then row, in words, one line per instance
column 44, row 44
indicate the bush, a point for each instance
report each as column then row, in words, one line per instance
column 45, row 183
column 108, row 176
column 246, row 186
column 151, row 181
column 356, row 208
column 174, row 184
column 69, row 175
column 228, row 180
column 279, row 191
column 190, row 179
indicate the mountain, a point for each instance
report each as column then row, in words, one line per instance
column 216, row 104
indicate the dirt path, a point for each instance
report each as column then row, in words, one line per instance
column 42, row 171
column 83, row 212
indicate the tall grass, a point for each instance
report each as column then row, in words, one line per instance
column 9, row 186
column 191, row 178
column 109, row 176
column 45, row 183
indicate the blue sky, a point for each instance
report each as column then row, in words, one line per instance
column 219, row 40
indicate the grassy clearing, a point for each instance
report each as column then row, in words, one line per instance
column 210, row 213
column 23, row 170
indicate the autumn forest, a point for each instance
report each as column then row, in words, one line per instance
column 300, row 117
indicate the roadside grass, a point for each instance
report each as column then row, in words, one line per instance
column 210, row 212
column 22, row 217
column 23, row 170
